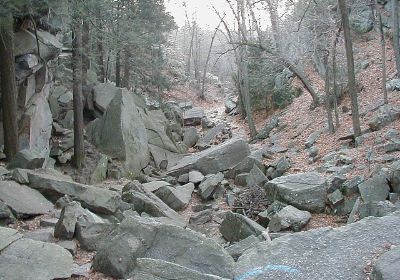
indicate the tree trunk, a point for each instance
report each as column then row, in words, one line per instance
column 100, row 49
column 85, row 56
column 328, row 100
column 273, row 11
column 189, row 58
column 350, row 68
column 8, row 87
column 396, row 47
column 244, row 82
column 383, row 50
column 79, row 149
column 207, row 61
column 118, row 69
column 334, row 70
column 127, row 70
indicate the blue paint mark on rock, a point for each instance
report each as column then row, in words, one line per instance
column 262, row 270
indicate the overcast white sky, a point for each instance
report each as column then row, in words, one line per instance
column 200, row 9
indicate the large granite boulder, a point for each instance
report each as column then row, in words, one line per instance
column 23, row 258
column 289, row 217
column 384, row 116
column 121, row 133
column 375, row 188
column 193, row 116
column 387, row 266
column 103, row 94
column 154, row 269
column 306, row 191
column 236, row 227
column 23, row 201
column 216, row 159
column 322, row 254
column 139, row 237
column 53, row 187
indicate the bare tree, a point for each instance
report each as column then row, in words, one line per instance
column 328, row 97
column 79, row 149
column 383, row 51
column 396, row 47
column 8, row 86
column 350, row 68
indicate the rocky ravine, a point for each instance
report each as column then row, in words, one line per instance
column 172, row 195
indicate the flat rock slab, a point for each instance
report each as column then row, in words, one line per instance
column 306, row 191
column 322, row 254
column 388, row 266
column 23, row 201
column 216, row 159
column 193, row 116
column 22, row 258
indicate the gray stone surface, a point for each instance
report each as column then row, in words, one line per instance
column 237, row 249
column 312, row 139
column 384, row 116
column 289, row 217
column 374, row 189
column 22, row 258
column 103, row 93
column 27, row 159
column 99, row 173
column 92, row 234
column 121, row 133
column 202, row 217
column 387, row 266
column 54, row 187
column 306, row 191
column 322, row 254
column 139, row 237
column 195, row 177
column 208, row 187
column 176, row 198
column 153, row 269
column 145, row 201
column 215, row 159
column 193, row 116
column 236, row 227
column 377, row 209
column 24, row 201
column 190, row 136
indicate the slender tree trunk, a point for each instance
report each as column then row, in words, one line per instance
column 396, row 43
column 189, row 58
column 127, row 70
column 85, row 55
column 244, row 82
column 108, row 66
column 328, row 100
column 273, row 11
column 118, row 69
column 350, row 68
column 100, row 48
column 8, row 86
column 383, row 50
column 79, row 149
column 334, row 77
column 207, row 61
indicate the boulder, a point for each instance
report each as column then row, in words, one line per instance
column 27, row 159
column 306, row 191
column 154, row 269
column 156, row 185
column 176, row 198
column 35, row 125
column 195, row 177
column 248, row 163
column 216, row 159
column 23, row 201
column 256, row 177
column 99, row 174
column 138, row 237
column 237, row 249
column 120, row 132
column 377, row 209
column 90, row 235
column 211, row 134
column 201, row 217
column 210, row 184
column 54, row 187
column 230, row 105
column 387, row 266
column 236, row 227
column 393, row 85
column 323, row 254
column 163, row 158
column 20, row 176
column 385, row 115
column 312, row 139
column 193, row 117
column 374, row 189
column 6, row 216
column 267, row 129
column 144, row 201
column 190, row 136
column 289, row 217
column 103, row 94
column 23, row 258
column 26, row 43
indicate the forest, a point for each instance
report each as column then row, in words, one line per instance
column 200, row 140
